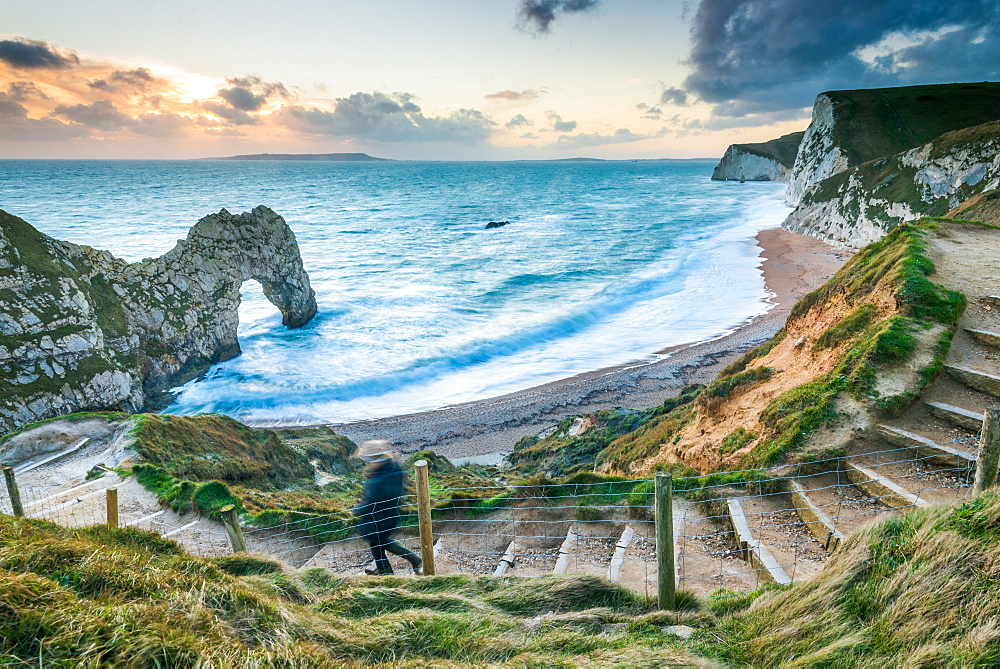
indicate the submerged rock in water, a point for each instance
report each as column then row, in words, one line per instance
column 83, row 330
column 496, row 224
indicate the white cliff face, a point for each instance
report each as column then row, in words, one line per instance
column 82, row 330
column 875, row 197
column 740, row 165
column 818, row 157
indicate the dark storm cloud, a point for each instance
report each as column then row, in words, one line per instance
column 751, row 56
column 22, row 53
column 100, row 115
column 536, row 16
column 249, row 94
column 387, row 118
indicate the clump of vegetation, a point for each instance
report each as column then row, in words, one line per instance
column 106, row 597
column 914, row 590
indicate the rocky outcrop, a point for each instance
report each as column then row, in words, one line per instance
column 764, row 161
column 857, row 206
column 83, row 330
column 853, row 127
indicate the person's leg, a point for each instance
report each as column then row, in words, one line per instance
column 402, row 551
column 378, row 542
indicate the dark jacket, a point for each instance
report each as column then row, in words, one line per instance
column 378, row 510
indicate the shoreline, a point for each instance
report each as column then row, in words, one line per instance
column 792, row 265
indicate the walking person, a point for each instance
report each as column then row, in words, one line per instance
column 378, row 510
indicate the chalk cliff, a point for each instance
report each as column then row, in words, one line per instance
column 761, row 161
column 83, row 330
column 852, row 127
column 860, row 205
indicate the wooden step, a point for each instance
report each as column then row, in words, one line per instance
column 818, row 523
column 28, row 465
column 957, row 416
column 981, row 381
column 985, row 337
column 937, row 454
column 755, row 552
column 881, row 488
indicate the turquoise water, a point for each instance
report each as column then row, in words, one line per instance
column 421, row 307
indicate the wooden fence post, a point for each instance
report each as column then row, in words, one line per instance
column 15, row 494
column 666, row 578
column 989, row 451
column 424, row 517
column 112, row 500
column 233, row 529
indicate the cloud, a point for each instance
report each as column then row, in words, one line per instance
column 139, row 79
column 227, row 113
column 249, row 94
column 752, row 56
column 518, row 121
column 619, row 136
column 536, row 16
column 15, row 124
column 28, row 54
column 649, row 111
column 515, row 96
column 674, row 96
column 387, row 118
column 25, row 90
column 160, row 125
column 100, row 115
column 558, row 124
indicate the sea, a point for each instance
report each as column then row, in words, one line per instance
column 600, row 264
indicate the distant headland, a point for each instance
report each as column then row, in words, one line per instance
column 319, row 157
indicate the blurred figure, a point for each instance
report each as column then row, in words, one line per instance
column 378, row 510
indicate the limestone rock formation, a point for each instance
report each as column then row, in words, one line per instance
column 763, row 161
column 83, row 330
column 852, row 127
column 860, row 205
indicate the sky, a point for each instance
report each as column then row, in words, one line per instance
column 458, row 79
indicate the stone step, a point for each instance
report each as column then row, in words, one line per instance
column 618, row 559
column 957, row 416
column 819, row 523
column 981, row 381
column 566, row 551
column 754, row 551
column 885, row 491
column 985, row 337
column 938, row 454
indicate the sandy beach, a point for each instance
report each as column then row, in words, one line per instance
column 793, row 265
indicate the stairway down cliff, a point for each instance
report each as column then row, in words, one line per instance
column 82, row 330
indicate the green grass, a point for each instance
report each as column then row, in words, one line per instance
column 103, row 597
column 912, row 590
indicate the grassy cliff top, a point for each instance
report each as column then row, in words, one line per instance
column 879, row 122
column 783, row 149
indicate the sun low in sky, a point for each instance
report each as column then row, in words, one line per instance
column 458, row 79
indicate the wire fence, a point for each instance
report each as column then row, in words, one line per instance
column 733, row 531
